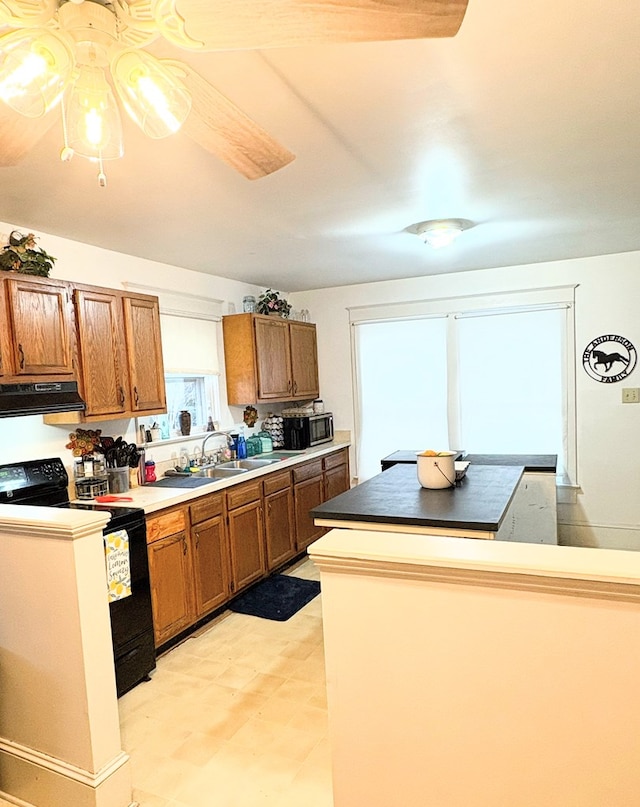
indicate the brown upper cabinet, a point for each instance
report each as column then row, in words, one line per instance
column 36, row 330
column 269, row 359
column 144, row 353
column 121, row 372
column 99, row 318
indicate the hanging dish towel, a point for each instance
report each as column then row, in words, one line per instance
column 116, row 550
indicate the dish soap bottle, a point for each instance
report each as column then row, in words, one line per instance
column 241, row 447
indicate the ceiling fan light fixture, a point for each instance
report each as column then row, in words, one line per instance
column 93, row 124
column 152, row 95
column 438, row 233
column 35, row 68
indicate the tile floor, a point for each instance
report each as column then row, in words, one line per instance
column 235, row 716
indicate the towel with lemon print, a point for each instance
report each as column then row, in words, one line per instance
column 116, row 550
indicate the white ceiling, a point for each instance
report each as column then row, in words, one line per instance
column 527, row 123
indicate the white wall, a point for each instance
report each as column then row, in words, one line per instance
column 606, row 511
column 28, row 437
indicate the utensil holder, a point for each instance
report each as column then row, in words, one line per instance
column 118, row 479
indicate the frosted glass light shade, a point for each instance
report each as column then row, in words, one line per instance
column 440, row 235
column 94, row 128
column 35, row 68
column 154, row 98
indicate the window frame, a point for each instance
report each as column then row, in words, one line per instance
column 488, row 304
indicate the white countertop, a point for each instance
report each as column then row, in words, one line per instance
column 152, row 498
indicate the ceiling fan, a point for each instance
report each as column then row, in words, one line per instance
column 74, row 52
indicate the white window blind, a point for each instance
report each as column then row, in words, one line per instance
column 402, row 388
column 189, row 345
column 510, row 369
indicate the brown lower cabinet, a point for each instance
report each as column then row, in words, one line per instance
column 203, row 553
column 210, row 554
column 279, row 524
column 170, row 574
column 246, row 534
column 308, row 492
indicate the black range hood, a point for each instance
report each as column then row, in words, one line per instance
column 40, row 398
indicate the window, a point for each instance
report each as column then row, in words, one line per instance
column 196, row 393
column 486, row 380
column 190, row 353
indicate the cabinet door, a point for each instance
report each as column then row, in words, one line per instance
column 101, row 349
column 5, row 338
column 144, row 353
column 41, row 328
column 304, row 360
column 307, row 494
column 171, row 589
column 278, row 523
column 210, row 564
column 336, row 481
column 246, row 545
column 273, row 358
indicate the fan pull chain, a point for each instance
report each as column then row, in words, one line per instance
column 102, row 177
column 67, row 152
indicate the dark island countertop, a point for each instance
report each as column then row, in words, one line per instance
column 395, row 497
column 539, row 463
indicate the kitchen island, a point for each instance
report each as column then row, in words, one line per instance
column 394, row 501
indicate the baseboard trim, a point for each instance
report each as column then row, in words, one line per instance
column 31, row 778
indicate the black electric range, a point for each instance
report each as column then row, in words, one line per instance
column 45, row 483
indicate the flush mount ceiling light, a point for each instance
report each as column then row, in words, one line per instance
column 76, row 51
column 440, row 232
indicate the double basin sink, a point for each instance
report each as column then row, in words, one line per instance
column 224, row 470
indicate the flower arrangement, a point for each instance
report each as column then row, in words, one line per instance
column 270, row 302
column 22, row 255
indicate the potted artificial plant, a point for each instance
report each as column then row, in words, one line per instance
column 22, row 255
column 270, row 302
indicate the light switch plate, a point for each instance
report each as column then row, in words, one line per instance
column 631, row 395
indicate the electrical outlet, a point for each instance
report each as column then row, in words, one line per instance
column 631, row 395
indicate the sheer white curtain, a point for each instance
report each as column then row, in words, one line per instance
column 402, row 388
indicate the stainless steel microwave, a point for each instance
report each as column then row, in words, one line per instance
column 304, row 432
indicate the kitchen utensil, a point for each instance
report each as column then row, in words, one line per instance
column 110, row 498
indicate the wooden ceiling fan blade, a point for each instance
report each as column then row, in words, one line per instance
column 216, row 124
column 18, row 134
column 249, row 24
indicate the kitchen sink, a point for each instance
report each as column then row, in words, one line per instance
column 220, row 471
column 247, row 465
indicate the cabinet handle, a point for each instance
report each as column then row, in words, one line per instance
column 135, row 395
column 21, row 352
column 121, row 396
column 184, row 546
column 289, row 385
column 269, row 508
column 197, row 540
column 295, row 387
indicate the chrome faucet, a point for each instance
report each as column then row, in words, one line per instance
column 219, row 434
